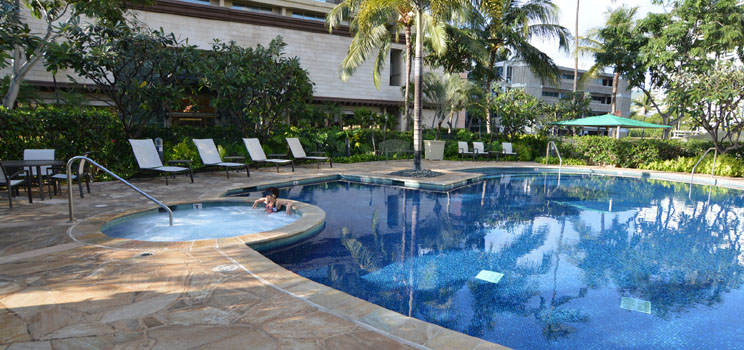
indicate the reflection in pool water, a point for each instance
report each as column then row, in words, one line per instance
column 592, row 263
column 214, row 220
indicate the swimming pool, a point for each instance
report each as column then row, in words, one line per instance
column 592, row 262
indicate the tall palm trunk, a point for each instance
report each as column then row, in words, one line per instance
column 576, row 52
column 417, row 92
column 406, row 114
column 615, row 80
column 489, row 81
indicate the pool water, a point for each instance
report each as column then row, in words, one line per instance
column 191, row 223
column 531, row 262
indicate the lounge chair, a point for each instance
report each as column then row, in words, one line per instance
column 506, row 149
column 10, row 181
column 298, row 153
column 462, row 149
column 211, row 157
column 148, row 159
column 479, row 149
column 257, row 154
column 82, row 174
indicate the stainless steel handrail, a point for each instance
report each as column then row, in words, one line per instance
column 712, row 171
column 69, row 186
column 560, row 160
column 547, row 154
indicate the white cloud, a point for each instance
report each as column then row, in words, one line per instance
column 592, row 14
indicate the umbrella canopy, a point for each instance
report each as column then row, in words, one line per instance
column 609, row 120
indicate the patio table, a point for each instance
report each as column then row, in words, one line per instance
column 30, row 164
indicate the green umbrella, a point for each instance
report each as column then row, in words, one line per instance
column 610, row 121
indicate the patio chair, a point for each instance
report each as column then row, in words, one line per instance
column 10, row 181
column 479, row 149
column 298, row 153
column 257, row 154
column 507, row 150
column 38, row 154
column 211, row 157
column 82, row 173
column 148, row 159
column 462, row 149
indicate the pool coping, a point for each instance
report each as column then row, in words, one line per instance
column 311, row 221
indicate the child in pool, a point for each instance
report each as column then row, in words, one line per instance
column 273, row 203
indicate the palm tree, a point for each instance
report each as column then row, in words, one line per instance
column 448, row 95
column 576, row 52
column 371, row 24
column 508, row 26
column 598, row 41
column 375, row 24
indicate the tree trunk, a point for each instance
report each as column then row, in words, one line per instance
column 406, row 115
column 15, row 80
column 615, row 81
column 576, row 53
column 489, row 81
column 417, row 90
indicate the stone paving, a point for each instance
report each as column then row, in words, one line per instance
column 59, row 293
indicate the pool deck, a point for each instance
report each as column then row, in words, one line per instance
column 57, row 292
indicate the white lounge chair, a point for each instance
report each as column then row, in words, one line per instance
column 462, row 149
column 479, row 149
column 298, row 153
column 148, row 159
column 506, row 149
column 211, row 157
column 257, row 154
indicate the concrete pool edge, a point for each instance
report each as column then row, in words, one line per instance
column 89, row 231
column 397, row 326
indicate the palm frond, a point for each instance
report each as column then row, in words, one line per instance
column 362, row 45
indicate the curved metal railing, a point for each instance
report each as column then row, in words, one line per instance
column 547, row 154
column 712, row 172
column 69, row 186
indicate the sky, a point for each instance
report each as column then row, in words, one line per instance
column 591, row 15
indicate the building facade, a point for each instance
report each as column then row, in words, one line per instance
column 517, row 74
column 301, row 24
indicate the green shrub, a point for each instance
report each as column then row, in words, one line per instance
column 725, row 165
column 71, row 131
column 556, row 161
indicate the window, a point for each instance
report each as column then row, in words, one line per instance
column 567, row 76
column 550, row 94
column 252, row 8
column 607, row 82
column 605, row 100
column 310, row 16
column 200, row 2
column 500, row 73
column 396, row 61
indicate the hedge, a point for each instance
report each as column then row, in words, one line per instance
column 74, row 130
